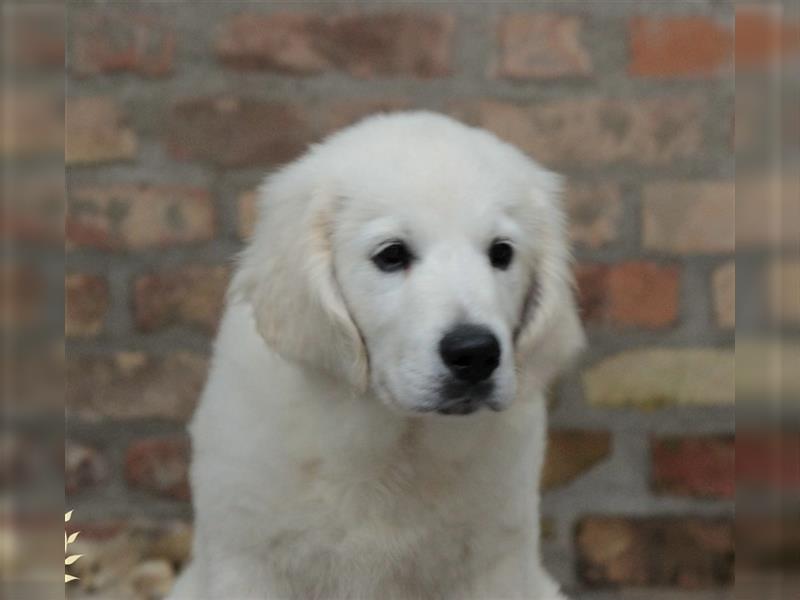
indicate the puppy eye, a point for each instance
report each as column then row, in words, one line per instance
column 500, row 254
column 394, row 257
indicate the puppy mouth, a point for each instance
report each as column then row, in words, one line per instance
column 461, row 399
column 466, row 406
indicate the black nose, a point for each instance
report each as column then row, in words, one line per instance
column 471, row 352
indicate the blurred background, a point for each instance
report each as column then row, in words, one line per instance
column 176, row 111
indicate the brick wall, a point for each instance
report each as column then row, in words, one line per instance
column 174, row 114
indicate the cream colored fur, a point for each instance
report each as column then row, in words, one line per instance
column 314, row 474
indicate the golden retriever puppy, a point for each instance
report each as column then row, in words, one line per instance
column 374, row 421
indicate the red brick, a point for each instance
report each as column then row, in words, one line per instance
column 595, row 211
column 110, row 41
column 33, row 209
column 283, row 42
column 137, row 217
column 235, row 132
column 363, row 45
column 193, row 295
column 772, row 547
column 392, row 44
column 134, row 385
column 679, row 46
column 86, row 304
column 159, row 466
column 85, row 468
column 571, row 454
column 592, row 282
column 638, row 294
column 689, row 217
column 35, row 37
column 682, row 552
column 596, row 131
column 694, row 466
column 97, row 132
column 21, row 456
column 764, row 36
column 768, row 460
column 643, row 294
column 543, row 45
column 22, row 302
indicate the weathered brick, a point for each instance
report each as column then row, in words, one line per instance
column 768, row 460
column 764, row 36
column 769, row 544
column 594, row 212
column 689, row 217
column 570, row 454
column 159, row 466
column 33, row 125
column 694, row 466
column 541, row 45
column 237, row 132
column 682, row 552
column 766, row 368
column 592, row 291
column 783, row 290
column 97, row 132
column 636, row 293
column 33, row 209
column 20, row 458
column 760, row 198
column 282, row 42
column 193, row 295
column 593, row 131
column 85, row 467
column 643, row 293
column 342, row 114
column 651, row 378
column 109, row 41
column 679, row 46
column 246, row 213
column 35, row 36
column 33, row 378
column 132, row 385
column 136, row 217
column 22, row 302
column 723, row 283
column 363, row 45
column 86, row 304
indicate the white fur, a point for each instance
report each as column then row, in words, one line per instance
column 314, row 473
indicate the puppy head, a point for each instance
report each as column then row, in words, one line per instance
column 418, row 258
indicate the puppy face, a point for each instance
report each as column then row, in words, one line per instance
column 436, row 273
column 429, row 261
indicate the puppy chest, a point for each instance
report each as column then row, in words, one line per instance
column 373, row 561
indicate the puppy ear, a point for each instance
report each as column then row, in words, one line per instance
column 550, row 335
column 286, row 274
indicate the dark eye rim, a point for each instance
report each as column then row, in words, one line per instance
column 379, row 259
column 508, row 248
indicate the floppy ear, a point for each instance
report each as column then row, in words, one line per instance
column 286, row 274
column 550, row 335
